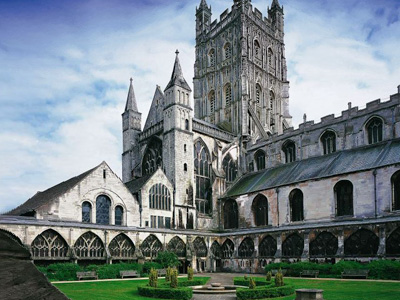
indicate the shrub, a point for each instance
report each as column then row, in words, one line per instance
column 264, row 292
column 252, row 283
column 384, row 269
column 112, row 271
column 193, row 282
column 148, row 265
column 174, row 278
column 245, row 277
column 190, row 273
column 153, row 278
column 279, row 278
column 168, row 274
column 167, row 259
column 269, row 276
column 258, row 282
column 338, row 268
column 62, row 271
column 182, row 293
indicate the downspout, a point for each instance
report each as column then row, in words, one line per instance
column 277, row 203
column 140, row 208
column 375, row 194
column 173, row 210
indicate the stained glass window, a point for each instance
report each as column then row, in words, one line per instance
column 230, row 168
column 119, row 213
column 202, row 165
column 86, row 212
column 375, row 132
column 103, row 204
column 159, row 197
column 152, row 158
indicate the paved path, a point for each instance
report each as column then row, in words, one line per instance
column 224, row 279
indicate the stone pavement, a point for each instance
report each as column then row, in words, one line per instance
column 224, row 279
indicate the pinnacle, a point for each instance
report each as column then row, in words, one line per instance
column 131, row 99
column 177, row 75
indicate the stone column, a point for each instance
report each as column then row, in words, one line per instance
column 340, row 251
column 382, row 241
column 305, row 256
column 278, row 254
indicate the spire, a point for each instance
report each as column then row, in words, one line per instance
column 275, row 2
column 203, row 3
column 177, row 76
column 131, row 100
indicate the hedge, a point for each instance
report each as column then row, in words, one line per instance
column 112, row 271
column 180, row 293
column 243, row 282
column 61, row 271
column 264, row 292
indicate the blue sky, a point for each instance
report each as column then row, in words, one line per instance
column 65, row 69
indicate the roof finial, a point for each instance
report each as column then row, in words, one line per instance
column 177, row 52
column 131, row 79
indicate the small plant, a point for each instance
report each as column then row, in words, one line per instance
column 252, row 283
column 245, row 277
column 279, row 278
column 174, row 278
column 168, row 274
column 153, row 278
column 190, row 273
column 269, row 276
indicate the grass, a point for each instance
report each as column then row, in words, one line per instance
column 333, row 289
column 106, row 290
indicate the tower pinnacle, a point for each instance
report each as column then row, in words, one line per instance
column 177, row 75
column 131, row 99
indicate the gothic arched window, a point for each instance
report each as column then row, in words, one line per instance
column 396, row 191
column 289, row 149
column 152, row 158
column 257, row 49
column 271, row 108
column 211, row 58
column 228, row 94
column 344, row 198
column 231, row 214
column 228, row 50
column 177, row 246
column 119, row 215
column 328, row 140
column 89, row 245
column 363, row 242
column 121, row 247
column 151, row 246
column 200, row 248
column 227, row 249
column 259, row 157
column 375, row 130
column 271, row 59
column 103, row 204
column 260, row 210
column 296, row 205
column 293, row 246
column 258, row 94
column 324, row 245
column 216, row 250
column 159, row 197
column 267, row 247
column 393, row 243
column 49, row 244
column 211, row 99
column 246, row 248
column 86, row 212
column 230, row 168
column 202, row 167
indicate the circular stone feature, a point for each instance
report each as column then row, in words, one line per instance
column 216, row 284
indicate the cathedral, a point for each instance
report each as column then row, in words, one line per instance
column 224, row 180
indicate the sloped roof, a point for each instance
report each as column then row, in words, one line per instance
column 347, row 161
column 41, row 198
column 155, row 114
column 136, row 184
column 177, row 76
column 131, row 99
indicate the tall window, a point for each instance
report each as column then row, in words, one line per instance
column 257, row 49
column 270, row 59
column 200, row 248
column 89, row 245
column 121, row 247
column 228, row 95
column 293, row 246
column 324, row 245
column 230, row 168
column 177, row 246
column 103, row 204
column 246, row 248
column 267, row 247
column 119, row 214
column 260, row 210
column 344, row 198
column 296, row 205
column 228, row 51
column 271, row 108
column 396, row 191
column 374, row 129
column 231, row 214
column 151, row 246
column 202, row 165
column 328, row 140
column 86, row 212
column 152, row 158
column 258, row 94
column 211, row 58
column 289, row 149
column 260, row 160
column 363, row 242
column 159, row 197
column 211, row 98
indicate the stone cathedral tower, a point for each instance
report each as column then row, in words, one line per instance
column 240, row 81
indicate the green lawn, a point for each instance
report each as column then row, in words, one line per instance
column 333, row 290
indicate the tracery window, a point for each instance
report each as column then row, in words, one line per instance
column 289, row 149
column 216, row 250
column 393, row 243
column 227, row 249
column 296, row 205
column 293, row 246
column 228, row 51
column 86, row 212
column 211, row 58
column 363, row 242
column 202, row 166
column 152, row 158
column 260, row 160
column 119, row 214
column 258, row 94
column 328, row 140
column 200, row 248
column 324, row 245
column 396, row 191
column 246, row 248
column 271, row 108
column 375, row 130
column 151, row 246
column 190, row 222
column 231, row 214
column 89, row 245
column 260, row 210
column 177, row 246
column 159, row 197
column 271, row 59
column 344, row 198
column 103, row 204
column 230, row 168
column 211, row 98
column 49, row 244
column 267, row 247
column 228, row 95
column 122, row 247
column 257, row 49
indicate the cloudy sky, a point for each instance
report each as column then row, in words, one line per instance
column 65, row 67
